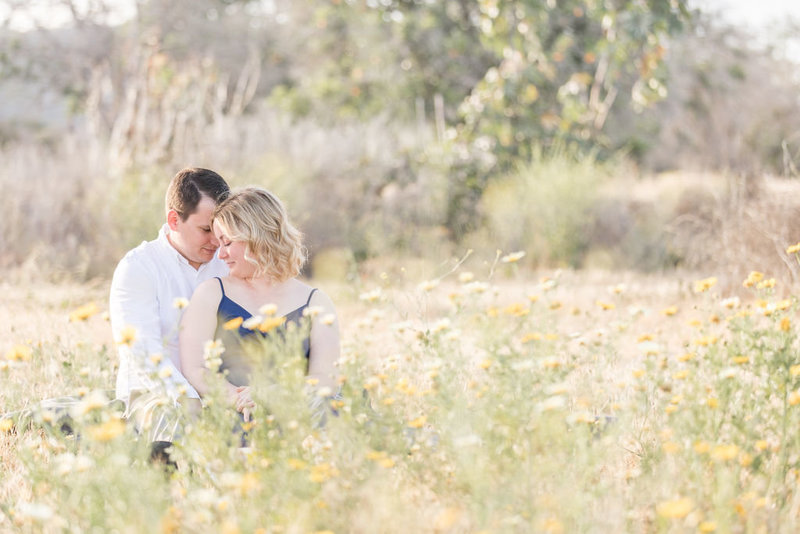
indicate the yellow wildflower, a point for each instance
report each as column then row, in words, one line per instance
column 6, row 425
column 551, row 363
column 794, row 370
column 107, row 431
column 730, row 302
column 418, row 422
column 127, row 336
column 180, row 303
column 701, row 447
column 552, row 525
column 670, row 447
column 766, row 284
column 712, row 402
column 753, row 278
column 19, row 353
column 271, row 323
column 513, row 257
column 516, row 310
column 376, row 455
column 686, row 357
column 761, row 445
column 446, row 519
column 705, row 284
column 672, row 310
column 83, row 312
column 793, row 249
column 268, row 309
column 466, row 277
column 605, row 306
column 786, row 324
column 428, row 285
column 705, row 341
column 96, row 400
column 321, row 472
column 371, row 296
column 740, row 359
column 794, row 398
column 295, row 464
column 724, row 452
column 233, row 324
column 440, row 326
column 706, row 527
column 618, row 289
column 680, row 375
column 534, row 336
column 476, row 287
column 675, row 509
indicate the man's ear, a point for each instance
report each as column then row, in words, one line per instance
column 172, row 220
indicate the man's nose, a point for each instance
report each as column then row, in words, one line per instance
column 214, row 241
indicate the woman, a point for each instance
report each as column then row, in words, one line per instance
column 264, row 253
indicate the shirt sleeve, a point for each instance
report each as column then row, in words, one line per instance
column 136, row 327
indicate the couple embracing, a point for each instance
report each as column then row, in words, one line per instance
column 228, row 254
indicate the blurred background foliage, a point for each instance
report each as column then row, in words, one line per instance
column 404, row 128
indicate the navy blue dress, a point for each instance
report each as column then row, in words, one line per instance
column 229, row 309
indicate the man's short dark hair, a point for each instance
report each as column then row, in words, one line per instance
column 188, row 187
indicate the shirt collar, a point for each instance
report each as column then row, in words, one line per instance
column 162, row 238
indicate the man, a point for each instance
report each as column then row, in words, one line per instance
column 149, row 288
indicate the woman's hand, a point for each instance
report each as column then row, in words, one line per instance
column 244, row 403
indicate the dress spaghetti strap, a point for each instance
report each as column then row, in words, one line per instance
column 308, row 302
column 220, row 285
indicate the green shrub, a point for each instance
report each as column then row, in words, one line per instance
column 544, row 209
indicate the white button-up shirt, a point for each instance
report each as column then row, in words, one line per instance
column 147, row 283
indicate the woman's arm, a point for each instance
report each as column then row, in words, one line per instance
column 198, row 326
column 325, row 349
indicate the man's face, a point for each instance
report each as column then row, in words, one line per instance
column 193, row 237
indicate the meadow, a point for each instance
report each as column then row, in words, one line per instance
column 483, row 397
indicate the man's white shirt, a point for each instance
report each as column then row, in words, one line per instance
column 147, row 283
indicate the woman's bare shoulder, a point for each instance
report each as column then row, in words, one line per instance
column 208, row 290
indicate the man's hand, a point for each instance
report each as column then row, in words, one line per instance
column 244, row 403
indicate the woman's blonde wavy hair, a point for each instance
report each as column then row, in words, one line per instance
column 257, row 217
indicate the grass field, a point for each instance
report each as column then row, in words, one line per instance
column 491, row 399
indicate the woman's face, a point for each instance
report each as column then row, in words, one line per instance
column 232, row 253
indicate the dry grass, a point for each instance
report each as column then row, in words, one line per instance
column 614, row 341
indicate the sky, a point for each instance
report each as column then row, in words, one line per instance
column 761, row 18
column 754, row 14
